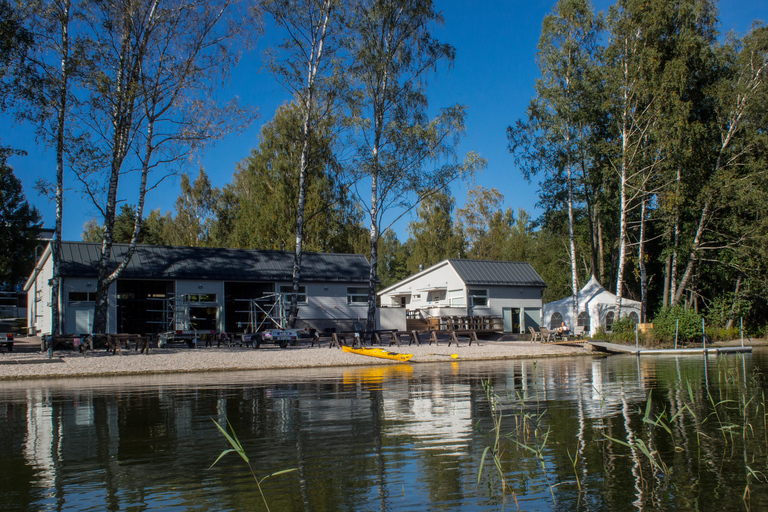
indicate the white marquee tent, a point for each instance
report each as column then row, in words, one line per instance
column 597, row 306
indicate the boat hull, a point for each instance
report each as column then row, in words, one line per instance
column 378, row 352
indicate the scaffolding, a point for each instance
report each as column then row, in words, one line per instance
column 172, row 309
column 267, row 312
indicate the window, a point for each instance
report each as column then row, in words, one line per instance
column 556, row 320
column 478, row 297
column 357, row 295
column 202, row 297
column 287, row 291
column 583, row 320
column 82, row 296
column 633, row 316
column 456, row 298
column 609, row 320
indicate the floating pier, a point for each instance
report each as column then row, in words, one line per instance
column 614, row 348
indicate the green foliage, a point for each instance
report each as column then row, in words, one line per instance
column 687, row 320
column 623, row 330
column 727, row 307
column 433, row 236
column 151, row 228
column 260, row 208
column 19, row 227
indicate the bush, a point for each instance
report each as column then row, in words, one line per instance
column 623, row 330
column 688, row 322
column 722, row 309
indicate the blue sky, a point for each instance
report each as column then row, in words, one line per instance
column 493, row 75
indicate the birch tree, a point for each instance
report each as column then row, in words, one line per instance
column 553, row 140
column 738, row 94
column 401, row 153
column 151, row 102
column 306, row 67
column 56, row 59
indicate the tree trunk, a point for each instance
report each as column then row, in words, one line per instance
column 667, row 270
column 572, row 241
column 641, row 263
column 732, row 313
column 622, row 208
column 313, row 66
column 600, row 247
column 372, row 275
column 60, row 133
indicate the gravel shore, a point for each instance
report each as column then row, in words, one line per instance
column 65, row 363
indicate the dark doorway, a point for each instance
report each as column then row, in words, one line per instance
column 141, row 306
column 237, row 303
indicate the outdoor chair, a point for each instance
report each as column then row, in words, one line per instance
column 546, row 335
column 535, row 336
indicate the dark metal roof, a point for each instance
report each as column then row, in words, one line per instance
column 497, row 273
column 80, row 259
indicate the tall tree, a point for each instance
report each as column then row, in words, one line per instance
column 263, row 189
column 403, row 154
column 55, row 61
column 484, row 224
column 125, row 221
column 195, row 209
column 150, row 94
column 19, row 227
column 15, row 42
column 629, row 103
column 554, row 139
column 433, row 235
column 306, row 67
column 737, row 99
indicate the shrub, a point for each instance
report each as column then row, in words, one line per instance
column 721, row 309
column 623, row 330
column 688, row 322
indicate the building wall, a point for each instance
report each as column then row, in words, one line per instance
column 522, row 298
column 421, row 295
column 327, row 307
column 71, row 311
column 39, row 318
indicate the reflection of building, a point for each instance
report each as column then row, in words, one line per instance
column 39, row 443
column 509, row 290
column 436, row 416
column 169, row 288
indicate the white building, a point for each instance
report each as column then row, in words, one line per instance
column 178, row 288
column 508, row 290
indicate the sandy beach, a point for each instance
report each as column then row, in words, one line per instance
column 28, row 363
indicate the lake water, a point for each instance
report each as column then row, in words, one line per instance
column 617, row 433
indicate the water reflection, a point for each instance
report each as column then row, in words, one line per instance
column 621, row 433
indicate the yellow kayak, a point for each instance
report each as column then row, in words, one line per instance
column 377, row 352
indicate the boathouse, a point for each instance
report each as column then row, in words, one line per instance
column 167, row 288
column 507, row 291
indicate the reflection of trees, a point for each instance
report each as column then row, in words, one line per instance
column 363, row 441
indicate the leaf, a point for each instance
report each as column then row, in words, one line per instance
column 237, row 447
column 482, row 462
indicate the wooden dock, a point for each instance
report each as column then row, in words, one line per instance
column 613, row 348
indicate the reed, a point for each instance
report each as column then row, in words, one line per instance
column 237, row 447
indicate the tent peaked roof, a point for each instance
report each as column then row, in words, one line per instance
column 588, row 293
